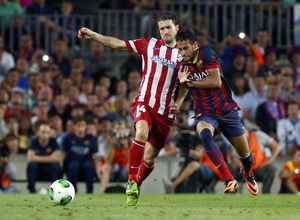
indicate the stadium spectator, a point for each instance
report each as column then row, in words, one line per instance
column 286, row 130
column 270, row 58
column 43, row 157
column 12, row 142
column 10, row 9
column 265, row 150
column 7, row 61
column 3, row 127
column 92, row 100
column 22, row 66
column 26, row 49
column 15, row 108
column 74, row 93
column 77, row 63
column 252, row 69
column 134, row 80
column 79, row 155
column 96, row 62
column 239, row 87
column 132, row 63
column 65, row 84
column 201, row 166
column 262, row 38
column 238, row 56
column 288, row 92
column 294, row 58
column 252, row 99
column 270, row 111
column 290, row 175
column 30, row 95
column 121, row 90
column 12, row 78
column 58, row 108
column 56, row 122
column 122, row 110
column 113, row 165
column 87, row 88
column 102, row 93
column 41, row 111
column 8, row 172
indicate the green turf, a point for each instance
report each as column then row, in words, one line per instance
column 178, row 206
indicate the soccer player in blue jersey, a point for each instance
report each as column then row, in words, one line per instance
column 215, row 109
column 79, row 153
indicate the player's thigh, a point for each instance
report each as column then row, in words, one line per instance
column 142, row 130
column 240, row 143
column 204, row 121
column 160, row 131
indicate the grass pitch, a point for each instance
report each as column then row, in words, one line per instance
column 152, row 206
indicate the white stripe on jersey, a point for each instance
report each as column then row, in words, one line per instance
column 151, row 45
column 157, row 75
column 167, row 84
column 133, row 46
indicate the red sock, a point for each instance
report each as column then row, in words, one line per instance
column 144, row 172
column 227, row 174
column 135, row 156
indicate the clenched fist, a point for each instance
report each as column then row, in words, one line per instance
column 85, row 33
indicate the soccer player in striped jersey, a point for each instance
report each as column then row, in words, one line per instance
column 215, row 109
column 151, row 107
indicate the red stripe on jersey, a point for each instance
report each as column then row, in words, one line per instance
column 225, row 96
column 170, row 93
column 205, row 104
column 216, row 101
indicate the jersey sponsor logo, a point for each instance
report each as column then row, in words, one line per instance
column 164, row 61
column 199, row 76
column 80, row 150
column 200, row 64
column 139, row 110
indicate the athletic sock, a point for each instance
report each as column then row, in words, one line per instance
column 144, row 172
column 214, row 153
column 247, row 164
column 135, row 156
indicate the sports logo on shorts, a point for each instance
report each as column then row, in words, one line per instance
column 139, row 110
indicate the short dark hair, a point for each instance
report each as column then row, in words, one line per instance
column 168, row 16
column 186, row 34
column 79, row 119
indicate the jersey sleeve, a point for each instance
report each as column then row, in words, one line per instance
column 65, row 144
column 137, row 46
column 210, row 58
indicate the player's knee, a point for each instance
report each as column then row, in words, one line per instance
column 141, row 135
column 206, row 135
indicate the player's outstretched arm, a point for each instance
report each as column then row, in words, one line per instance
column 107, row 41
column 213, row 82
column 175, row 107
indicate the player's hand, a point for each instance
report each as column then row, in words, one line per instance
column 85, row 33
column 183, row 74
column 174, row 108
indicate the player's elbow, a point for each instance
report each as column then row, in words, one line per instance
column 218, row 84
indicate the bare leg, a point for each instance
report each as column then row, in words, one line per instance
column 105, row 177
column 291, row 185
column 191, row 168
column 241, row 145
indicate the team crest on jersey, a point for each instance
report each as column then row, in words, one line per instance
column 49, row 150
column 164, row 61
column 86, row 142
column 200, row 64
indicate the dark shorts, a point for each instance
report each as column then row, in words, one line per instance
column 159, row 125
column 230, row 125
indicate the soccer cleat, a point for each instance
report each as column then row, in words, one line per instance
column 231, row 185
column 133, row 193
column 251, row 183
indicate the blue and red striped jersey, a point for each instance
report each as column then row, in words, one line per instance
column 212, row 102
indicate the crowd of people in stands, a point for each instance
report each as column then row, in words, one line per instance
column 73, row 114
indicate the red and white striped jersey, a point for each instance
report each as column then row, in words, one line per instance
column 159, row 77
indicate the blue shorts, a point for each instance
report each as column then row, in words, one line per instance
column 207, row 173
column 230, row 125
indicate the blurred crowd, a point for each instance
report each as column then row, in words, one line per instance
column 72, row 114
